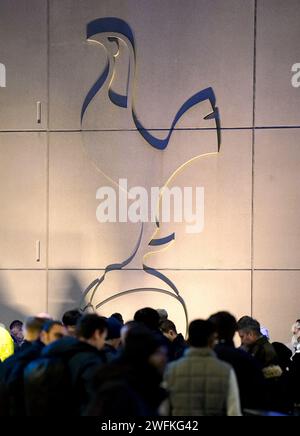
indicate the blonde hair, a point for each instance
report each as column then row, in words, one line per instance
column 296, row 328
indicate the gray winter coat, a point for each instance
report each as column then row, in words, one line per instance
column 198, row 384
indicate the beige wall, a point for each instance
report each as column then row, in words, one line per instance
column 247, row 259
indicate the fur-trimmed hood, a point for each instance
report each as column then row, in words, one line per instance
column 272, row 371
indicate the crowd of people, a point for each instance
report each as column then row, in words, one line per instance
column 89, row 365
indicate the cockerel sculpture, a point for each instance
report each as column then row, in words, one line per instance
column 109, row 33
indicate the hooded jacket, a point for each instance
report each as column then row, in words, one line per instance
column 6, row 345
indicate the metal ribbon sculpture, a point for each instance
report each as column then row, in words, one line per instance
column 119, row 29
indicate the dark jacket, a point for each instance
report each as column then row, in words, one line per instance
column 66, row 368
column 110, row 352
column 165, row 342
column 294, row 380
column 178, row 347
column 12, row 378
column 138, row 383
column 25, row 346
column 264, row 352
column 276, row 381
column 250, row 378
column 284, row 355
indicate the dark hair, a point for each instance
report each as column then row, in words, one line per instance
column 200, row 332
column 47, row 327
column 71, row 317
column 225, row 324
column 131, row 324
column 35, row 324
column 89, row 324
column 118, row 316
column 140, row 343
column 16, row 323
column 149, row 317
column 248, row 324
column 168, row 325
column 113, row 328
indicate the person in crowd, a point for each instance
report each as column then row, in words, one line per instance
column 6, row 345
column 52, row 331
column 12, row 371
column 295, row 343
column 284, row 355
column 44, row 315
column 119, row 317
column 131, row 384
column 60, row 381
column 199, row 383
column 293, row 375
column 113, row 339
column 92, row 330
column 32, row 331
column 294, row 381
column 265, row 354
column 125, row 329
column 70, row 319
column 163, row 315
column 150, row 318
column 250, row 378
column 255, row 343
column 178, row 344
column 16, row 331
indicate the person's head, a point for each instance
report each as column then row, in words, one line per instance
column 52, row 331
column 163, row 314
column 143, row 347
column 33, row 327
column 16, row 330
column 114, row 328
column 249, row 330
column 118, row 316
column 296, row 334
column 44, row 315
column 296, row 328
column 202, row 334
column 148, row 317
column 70, row 319
column 126, row 328
column 226, row 325
column 169, row 330
column 92, row 329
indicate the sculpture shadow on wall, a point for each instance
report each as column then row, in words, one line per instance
column 70, row 291
column 9, row 311
column 109, row 32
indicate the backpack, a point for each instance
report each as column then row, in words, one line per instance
column 57, row 383
column 48, row 388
